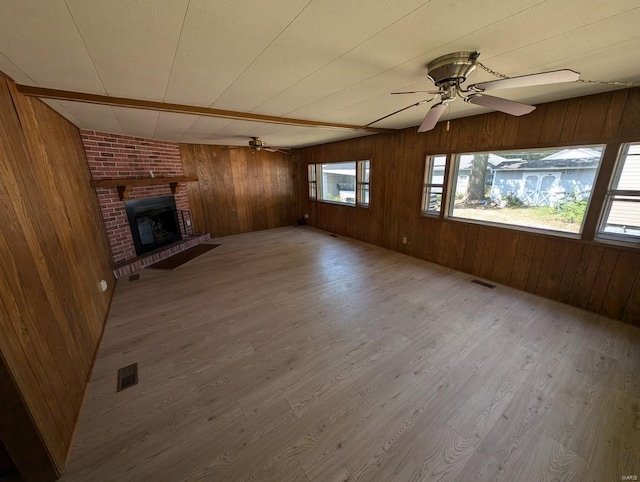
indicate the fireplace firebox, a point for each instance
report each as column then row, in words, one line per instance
column 153, row 222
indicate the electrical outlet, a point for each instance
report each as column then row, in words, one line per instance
column 404, row 240
column 188, row 222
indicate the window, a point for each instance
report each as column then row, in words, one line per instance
column 621, row 214
column 364, row 171
column 547, row 189
column 313, row 185
column 433, row 184
column 338, row 182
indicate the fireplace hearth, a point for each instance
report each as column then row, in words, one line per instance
column 153, row 222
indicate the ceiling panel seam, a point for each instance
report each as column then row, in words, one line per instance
column 413, row 59
column 84, row 43
column 18, row 68
column 600, row 20
column 173, row 62
column 262, row 51
column 580, row 56
column 77, row 122
column 342, row 55
column 251, row 63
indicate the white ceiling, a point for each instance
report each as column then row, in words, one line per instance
column 325, row 60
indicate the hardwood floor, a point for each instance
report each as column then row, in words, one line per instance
column 289, row 354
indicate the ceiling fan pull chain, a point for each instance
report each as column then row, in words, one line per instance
column 609, row 82
column 492, row 72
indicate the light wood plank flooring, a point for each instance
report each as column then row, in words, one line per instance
column 289, row 354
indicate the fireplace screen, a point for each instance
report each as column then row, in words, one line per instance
column 153, row 223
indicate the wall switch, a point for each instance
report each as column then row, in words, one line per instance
column 404, row 240
column 188, row 222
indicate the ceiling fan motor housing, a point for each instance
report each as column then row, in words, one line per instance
column 452, row 68
column 257, row 143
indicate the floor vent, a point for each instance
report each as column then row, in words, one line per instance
column 483, row 283
column 127, row 376
column 333, row 235
column 134, row 277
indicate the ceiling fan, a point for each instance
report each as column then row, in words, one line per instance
column 450, row 71
column 258, row 144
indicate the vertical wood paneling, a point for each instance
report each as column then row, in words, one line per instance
column 469, row 252
column 614, row 114
column 510, row 131
column 488, row 253
column 536, row 264
column 589, row 126
column 507, row 247
column 33, row 461
column 465, row 131
column 432, row 239
column 618, row 291
column 451, row 245
column 632, row 307
column 630, row 120
column 586, row 275
column 530, row 127
column 569, row 270
column 552, row 268
column 393, row 178
column 240, row 190
column 601, row 283
column 553, row 121
column 53, row 254
column 484, row 138
column 479, row 251
column 522, row 261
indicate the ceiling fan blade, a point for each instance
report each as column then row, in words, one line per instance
column 432, row 117
column 543, row 78
column 433, row 92
column 503, row 105
column 399, row 110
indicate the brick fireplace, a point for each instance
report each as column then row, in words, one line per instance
column 114, row 156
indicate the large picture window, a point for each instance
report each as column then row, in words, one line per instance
column 621, row 214
column 547, row 189
column 433, row 184
column 345, row 182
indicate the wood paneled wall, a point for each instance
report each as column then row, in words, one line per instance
column 53, row 254
column 595, row 276
column 240, row 190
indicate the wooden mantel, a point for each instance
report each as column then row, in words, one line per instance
column 124, row 185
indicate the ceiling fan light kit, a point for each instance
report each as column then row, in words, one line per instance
column 450, row 71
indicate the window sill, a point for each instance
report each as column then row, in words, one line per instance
column 336, row 203
column 515, row 227
column 614, row 240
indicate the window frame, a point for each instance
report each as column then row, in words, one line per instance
column 611, row 194
column 360, row 182
column 452, row 183
column 428, row 175
column 312, row 177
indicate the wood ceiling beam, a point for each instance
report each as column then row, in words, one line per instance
column 44, row 93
